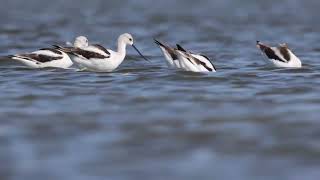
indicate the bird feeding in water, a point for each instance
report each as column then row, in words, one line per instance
column 97, row 58
column 280, row 56
column 180, row 58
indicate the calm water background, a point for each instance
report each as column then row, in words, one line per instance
column 144, row 121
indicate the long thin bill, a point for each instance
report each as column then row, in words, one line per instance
column 140, row 53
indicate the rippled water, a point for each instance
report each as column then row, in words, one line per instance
column 143, row 121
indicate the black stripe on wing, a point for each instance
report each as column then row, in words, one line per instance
column 82, row 53
column 199, row 62
column 271, row 54
column 207, row 58
column 38, row 57
column 101, row 48
column 88, row 54
column 203, row 64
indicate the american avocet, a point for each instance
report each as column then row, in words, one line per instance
column 44, row 58
column 280, row 56
column 181, row 59
column 97, row 58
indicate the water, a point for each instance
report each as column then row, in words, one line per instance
column 143, row 121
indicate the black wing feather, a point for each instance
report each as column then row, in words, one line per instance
column 88, row 54
column 180, row 48
column 82, row 53
column 270, row 52
column 98, row 46
column 38, row 57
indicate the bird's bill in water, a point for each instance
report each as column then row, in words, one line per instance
column 140, row 53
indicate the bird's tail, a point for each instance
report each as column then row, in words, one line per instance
column 168, row 48
column 160, row 43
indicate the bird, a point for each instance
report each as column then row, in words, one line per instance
column 180, row 58
column 97, row 58
column 280, row 56
column 44, row 58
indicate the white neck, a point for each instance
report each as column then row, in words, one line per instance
column 122, row 48
column 121, row 54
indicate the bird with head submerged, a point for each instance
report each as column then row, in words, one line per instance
column 179, row 58
column 280, row 56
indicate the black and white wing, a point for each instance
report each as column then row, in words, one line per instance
column 205, row 62
column 40, row 56
column 199, row 60
column 93, row 52
column 280, row 53
column 101, row 48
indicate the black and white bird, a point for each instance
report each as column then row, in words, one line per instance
column 97, row 58
column 180, row 58
column 280, row 56
column 44, row 58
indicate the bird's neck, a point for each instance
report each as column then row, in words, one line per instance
column 122, row 48
column 121, row 54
